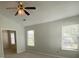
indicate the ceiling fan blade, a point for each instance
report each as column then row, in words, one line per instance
column 26, row 12
column 30, row 7
column 12, row 8
column 16, row 13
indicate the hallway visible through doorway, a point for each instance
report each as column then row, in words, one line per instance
column 9, row 42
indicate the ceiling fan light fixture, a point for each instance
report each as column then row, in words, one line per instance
column 21, row 12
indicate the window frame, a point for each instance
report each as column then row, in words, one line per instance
column 62, row 42
column 12, row 43
column 33, row 39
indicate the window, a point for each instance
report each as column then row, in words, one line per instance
column 12, row 38
column 70, row 36
column 30, row 38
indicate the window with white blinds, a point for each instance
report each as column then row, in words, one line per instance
column 12, row 38
column 30, row 38
column 70, row 37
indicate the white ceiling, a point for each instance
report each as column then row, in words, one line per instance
column 45, row 11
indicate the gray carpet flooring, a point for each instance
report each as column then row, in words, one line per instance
column 27, row 55
column 9, row 53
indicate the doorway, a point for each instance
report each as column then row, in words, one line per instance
column 9, row 42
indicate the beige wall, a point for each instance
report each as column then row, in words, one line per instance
column 48, row 37
column 5, row 38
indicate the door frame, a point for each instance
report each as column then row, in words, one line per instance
column 4, row 28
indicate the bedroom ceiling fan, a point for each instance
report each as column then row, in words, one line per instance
column 21, row 10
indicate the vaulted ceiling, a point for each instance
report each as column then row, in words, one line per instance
column 45, row 11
